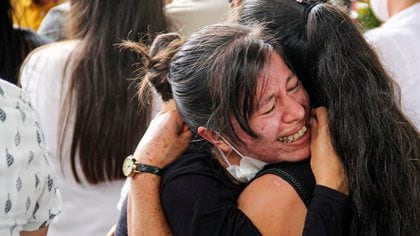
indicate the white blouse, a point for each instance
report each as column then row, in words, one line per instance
column 397, row 43
column 87, row 209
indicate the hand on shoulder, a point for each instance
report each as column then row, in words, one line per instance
column 325, row 162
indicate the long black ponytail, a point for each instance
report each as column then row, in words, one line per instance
column 380, row 148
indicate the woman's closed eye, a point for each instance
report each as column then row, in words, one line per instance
column 270, row 110
column 294, row 85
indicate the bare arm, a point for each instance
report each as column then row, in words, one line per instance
column 145, row 214
column 273, row 206
column 165, row 139
column 330, row 211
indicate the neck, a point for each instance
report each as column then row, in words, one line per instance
column 396, row 6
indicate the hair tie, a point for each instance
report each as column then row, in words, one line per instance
column 308, row 5
column 307, row 9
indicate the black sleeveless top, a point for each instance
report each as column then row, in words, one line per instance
column 298, row 174
column 200, row 199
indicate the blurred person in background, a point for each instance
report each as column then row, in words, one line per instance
column 29, row 13
column 397, row 44
column 53, row 25
column 183, row 16
column 87, row 102
column 29, row 194
column 15, row 43
column 187, row 16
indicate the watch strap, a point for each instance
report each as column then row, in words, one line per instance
column 143, row 168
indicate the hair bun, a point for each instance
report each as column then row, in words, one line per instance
column 162, row 42
column 161, row 52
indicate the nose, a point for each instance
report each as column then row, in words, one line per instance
column 293, row 111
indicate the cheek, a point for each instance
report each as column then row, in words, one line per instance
column 304, row 98
column 267, row 128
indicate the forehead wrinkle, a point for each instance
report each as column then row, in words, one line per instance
column 264, row 100
column 262, row 88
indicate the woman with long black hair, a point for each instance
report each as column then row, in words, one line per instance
column 84, row 91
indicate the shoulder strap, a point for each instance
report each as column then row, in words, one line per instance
column 299, row 175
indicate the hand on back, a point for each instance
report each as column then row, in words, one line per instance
column 166, row 138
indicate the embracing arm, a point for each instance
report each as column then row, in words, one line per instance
column 330, row 211
column 202, row 203
column 325, row 162
column 165, row 139
column 145, row 214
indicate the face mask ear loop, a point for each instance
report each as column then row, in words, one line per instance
column 233, row 148
column 224, row 156
column 221, row 152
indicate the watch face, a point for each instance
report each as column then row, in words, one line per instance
column 128, row 166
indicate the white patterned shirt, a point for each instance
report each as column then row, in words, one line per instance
column 29, row 195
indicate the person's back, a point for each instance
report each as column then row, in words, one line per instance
column 53, row 26
column 397, row 44
column 29, row 189
column 92, row 118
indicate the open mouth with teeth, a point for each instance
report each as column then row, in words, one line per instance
column 294, row 137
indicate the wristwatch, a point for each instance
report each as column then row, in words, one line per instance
column 130, row 167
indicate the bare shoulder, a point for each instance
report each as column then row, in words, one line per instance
column 273, row 206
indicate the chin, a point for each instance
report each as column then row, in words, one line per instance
column 294, row 156
column 300, row 158
column 287, row 158
column 302, row 155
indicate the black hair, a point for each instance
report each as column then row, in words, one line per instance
column 197, row 72
column 213, row 59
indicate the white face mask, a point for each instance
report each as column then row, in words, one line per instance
column 248, row 166
column 380, row 9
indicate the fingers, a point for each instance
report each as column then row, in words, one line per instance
column 325, row 162
column 186, row 134
column 320, row 134
column 321, row 116
column 319, row 123
column 314, row 129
